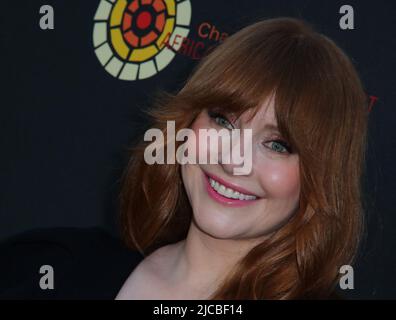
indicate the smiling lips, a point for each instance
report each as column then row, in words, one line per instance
column 227, row 194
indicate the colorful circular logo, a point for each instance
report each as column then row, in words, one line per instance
column 130, row 36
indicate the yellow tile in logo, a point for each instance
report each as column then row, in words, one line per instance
column 118, row 43
column 117, row 13
column 170, row 7
column 142, row 54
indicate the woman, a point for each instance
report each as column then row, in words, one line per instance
column 198, row 231
column 302, row 220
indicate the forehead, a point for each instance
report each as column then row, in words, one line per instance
column 265, row 115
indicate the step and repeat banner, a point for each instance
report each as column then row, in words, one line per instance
column 77, row 76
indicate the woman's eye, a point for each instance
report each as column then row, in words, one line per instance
column 279, row 146
column 221, row 120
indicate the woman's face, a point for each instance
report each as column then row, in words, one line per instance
column 274, row 180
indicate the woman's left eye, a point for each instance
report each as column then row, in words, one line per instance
column 279, row 146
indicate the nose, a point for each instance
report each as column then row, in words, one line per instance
column 237, row 160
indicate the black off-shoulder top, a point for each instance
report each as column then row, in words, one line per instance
column 87, row 263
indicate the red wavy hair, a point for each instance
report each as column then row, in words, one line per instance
column 322, row 111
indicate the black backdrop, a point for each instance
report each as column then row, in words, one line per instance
column 65, row 122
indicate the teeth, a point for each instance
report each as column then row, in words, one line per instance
column 228, row 192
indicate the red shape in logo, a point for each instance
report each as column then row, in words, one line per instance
column 143, row 20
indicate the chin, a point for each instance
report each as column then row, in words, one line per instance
column 225, row 224
column 216, row 223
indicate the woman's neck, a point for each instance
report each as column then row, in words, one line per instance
column 202, row 261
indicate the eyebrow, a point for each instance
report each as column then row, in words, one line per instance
column 267, row 126
column 272, row 127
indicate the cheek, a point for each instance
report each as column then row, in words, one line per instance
column 201, row 122
column 186, row 177
column 280, row 179
column 189, row 178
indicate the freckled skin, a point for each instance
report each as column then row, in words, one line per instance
column 274, row 177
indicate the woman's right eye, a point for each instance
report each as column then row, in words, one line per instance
column 221, row 120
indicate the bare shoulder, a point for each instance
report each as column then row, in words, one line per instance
column 159, row 260
column 151, row 270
